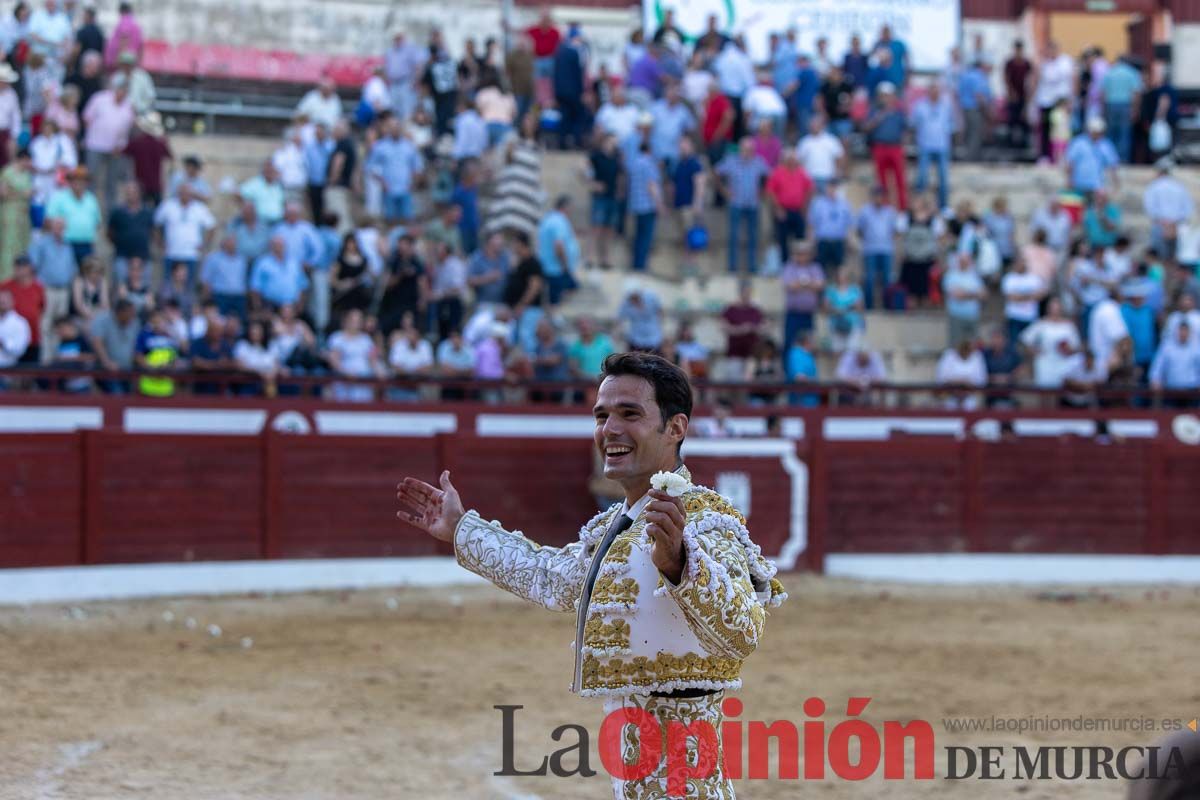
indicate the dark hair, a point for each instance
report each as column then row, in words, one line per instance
column 521, row 238
column 672, row 390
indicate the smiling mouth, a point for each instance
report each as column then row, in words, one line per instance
column 615, row 452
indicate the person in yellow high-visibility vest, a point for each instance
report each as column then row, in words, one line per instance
column 156, row 351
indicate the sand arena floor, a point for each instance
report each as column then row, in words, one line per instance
column 389, row 694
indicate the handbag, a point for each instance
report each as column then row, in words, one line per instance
column 1160, row 135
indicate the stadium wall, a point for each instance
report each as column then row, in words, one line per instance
column 108, row 482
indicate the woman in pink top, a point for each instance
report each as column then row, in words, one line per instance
column 1040, row 258
column 766, row 143
column 126, row 37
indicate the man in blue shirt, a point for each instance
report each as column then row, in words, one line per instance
column 1120, row 87
column 740, row 179
column 672, row 119
column 896, row 59
column 932, row 119
column 830, row 218
column 277, row 279
column 223, row 276
column 877, row 225
column 395, row 163
column 316, row 166
column 808, row 83
column 1091, row 160
column 558, row 250
column 250, row 232
column 645, row 198
column 974, row 98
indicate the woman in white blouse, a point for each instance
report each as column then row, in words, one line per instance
column 255, row 354
column 1052, row 341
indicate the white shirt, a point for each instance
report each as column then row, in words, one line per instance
column 54, row 28
column 1088, row 280
column 1045, row 337
column 1055, row 80
column 1172, row 324
column 1117, row 265
column 14, row 338
column 763, row 101
column 470, row 135
column 819, row 155
column 289, row 160
column 1176, row 366
column 1166, row 199
column 406, row 358
column 184, row 227
column 695, row 86
column 1187, row 244
column 1057, row 227
column 327, row 110
column 953, row 368
column 1106, row 327
column 1023, row 283
column 255, row 357
column 356, row 353
column 621, row 121
column 376, row 93
column 10, row 112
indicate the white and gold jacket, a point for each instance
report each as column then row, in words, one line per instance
column 639, row 633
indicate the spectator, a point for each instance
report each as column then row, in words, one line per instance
column 1040, row 260
column 321, row 105
column 558, row 251
column 114, row 336
column 1176, row 365
column 1091, row 160
column 149, row 151
column 277, row 278
column 54, row 261
column 1158, row 116
column 645, row 201
column 39, row 80
column 830, row 218
column 922, row 230
column 740, row 180
column 223, row 276
column 1053, row 341
column 63, row 109
column 441, row 83
column 53, row 155
column 688, row 188
column 130, row 229
column 524, row 291
column 1169, row 206
column 11, row 123
column 672, row 121
column 1055, row 83
column 546, row 38
column 961, row 371
column 933, row 124
column 1121, row 85
column 605, row 173
column 861, row 368
column 339, row 179
column 294, row 341
column 317, row 154
column 211, row 351
column 843, row 302
column 743, row 322
column 192, row 174
column 898, row 73
column 350, row 280
column 693, row 357
column 1022, row 290
column 265, row 193
column 29, row 300
column 15, row 334
column 135, row 287
column 376, row 98
column 1102, row 221
column 79, row 211
column 444, row 228
column 466, row 198
column 488, row 270
column 789, row 190
column 50, row 32
column 803, row 283
column 855, row 63
column 1140, row 321
column 837, row 98
column 885, row 129
column 448, row 289
column 587, row 353
column 254, row 354
column 964, row 292
column 551, row 362
column 877, row 225
column 1083, row 375
column 252, row 234
column 289, row 160
column 126, row 36
column 109, row 116
column 762, row 105
column 1055, row 221
column 455, row 360
column 491, row 352
column 801, row 367
column 1001, row 228
column 1185, row 311
column 73, row 352
column 16, row 192
column 1017, row 70
column 735, row 76
column 713, row 39
column 974, row 99
column 156, row 356
column 568, row 65
column 406, row 286
column 821, row 154
column 764, row 367
column 498, row 110
column 718, row 125
column 186, row 227
column 641, row 315
column 518, row 188
column 1106, row 331
column 403, row 65
column 352, row 353
column 178, row 289
column 395, row 164
column 470, row 132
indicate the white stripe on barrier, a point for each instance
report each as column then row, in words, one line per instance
column 124, row 581
column 384, row 423
column 1023, row 568
column 194, row 420
column 49, row 419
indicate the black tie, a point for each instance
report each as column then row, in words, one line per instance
column 621, row 523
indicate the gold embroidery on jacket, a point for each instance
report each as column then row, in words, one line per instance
column 643, row 671
column 603, row 635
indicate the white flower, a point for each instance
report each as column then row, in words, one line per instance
column 669, row 482
column 1186, row 428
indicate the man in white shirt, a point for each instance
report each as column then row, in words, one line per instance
column 618, row 116
column 50, row 32
column 1056, row 222
column 762, row 102
column 1168, row 204
column 962, row 368
column 1176, row 365
column 821, row 153
column 322, row 104
column 1055, row 81
column 1106, row 327
column 1022, row 290
column 861, row 367
column 289, row 161
column 186, row 226
column 15, row 334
